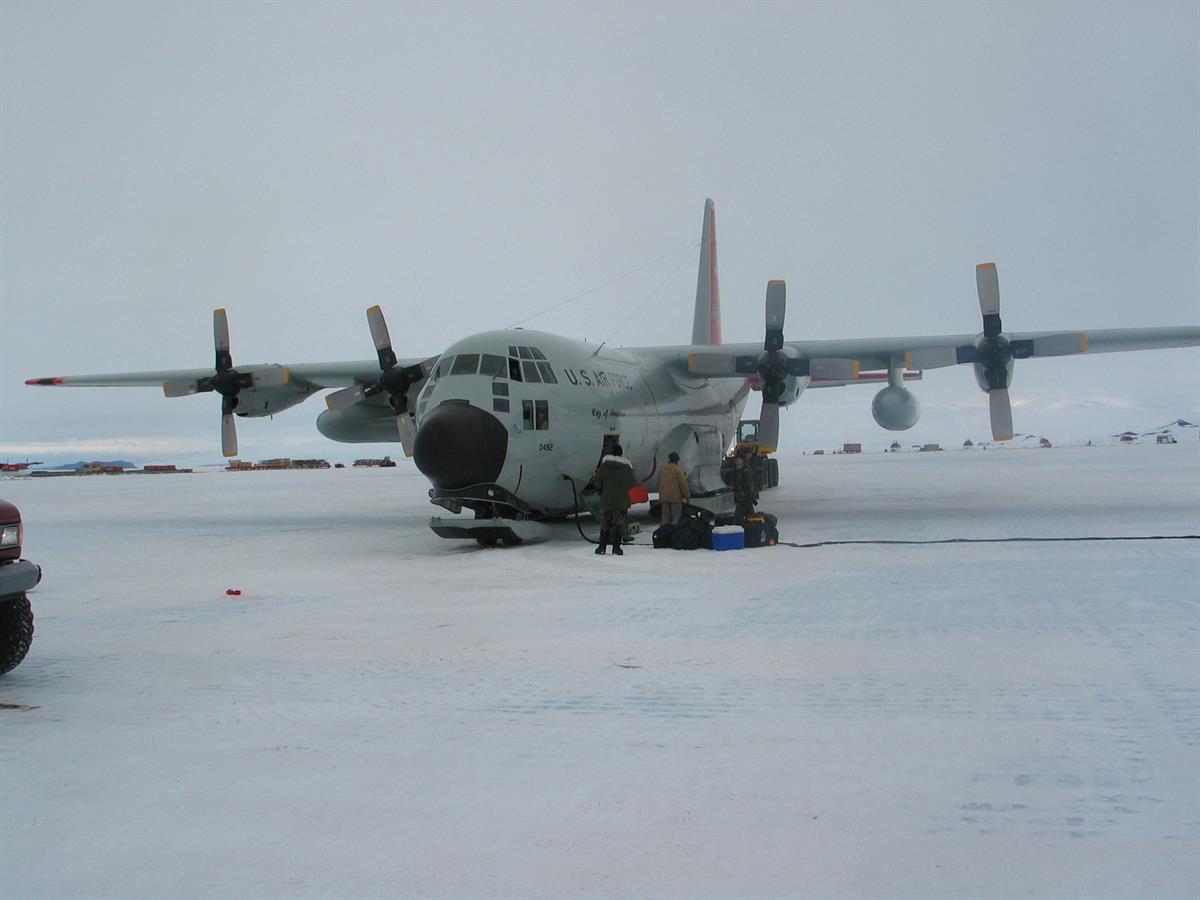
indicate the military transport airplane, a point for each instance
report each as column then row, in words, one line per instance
column 509, row 424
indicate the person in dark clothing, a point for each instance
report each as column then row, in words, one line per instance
column 745, row 488
column 614, row 478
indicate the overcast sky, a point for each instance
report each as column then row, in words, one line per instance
column 469, row 165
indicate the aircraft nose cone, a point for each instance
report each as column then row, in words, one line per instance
column 459, row 445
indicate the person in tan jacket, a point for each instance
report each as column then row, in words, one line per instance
column 672, row 490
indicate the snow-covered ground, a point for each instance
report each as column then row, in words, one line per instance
column 383, row 713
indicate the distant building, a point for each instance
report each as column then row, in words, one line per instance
column 1044, row 442
column 852, row 448
column 100, row 468
column 239, row 465
column 1166, row 439
column 930, row 448
column 385, row 463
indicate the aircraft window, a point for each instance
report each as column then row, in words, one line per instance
column 537, row 354
column 443, row 367
column 512, row 351
column 527, row 414
column 465, row 364
column 499, row 404
column 421, row 408
column 542, row 414
column 499, row 388
column 514, row 370
column 492, row 366
column 547, row 373
column 524, row 353
column 531, row 372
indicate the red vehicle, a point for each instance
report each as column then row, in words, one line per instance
column 16, row 577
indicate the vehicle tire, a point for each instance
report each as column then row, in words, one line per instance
column 16, row 631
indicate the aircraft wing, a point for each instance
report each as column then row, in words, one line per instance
column 827, row 360
column 265, row 389
column 776, row 362
column 315, row 375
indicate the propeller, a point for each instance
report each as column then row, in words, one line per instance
column 394, row 381
column 774, row 366
column 993, row 352
column 226, row 381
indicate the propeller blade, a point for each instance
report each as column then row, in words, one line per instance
column 987, row 283
column 381, row 338
column 345, row 397
column 715, row 364
column 768, row 427
column 275, row 376
column 408, row 432
column 1052, row 345
column 183, row 388
column 220, row 331
column 776, row 312
column 1001, row 411
column 229, row 445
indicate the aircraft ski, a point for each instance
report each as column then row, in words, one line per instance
column 492, row 532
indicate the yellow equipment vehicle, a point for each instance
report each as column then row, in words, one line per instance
column 766, row 467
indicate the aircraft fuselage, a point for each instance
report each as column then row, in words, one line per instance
column 506, row 414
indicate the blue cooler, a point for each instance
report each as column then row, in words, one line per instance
column 728, row 537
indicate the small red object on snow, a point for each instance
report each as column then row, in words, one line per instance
column 233, row 592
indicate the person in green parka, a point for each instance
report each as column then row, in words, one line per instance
column 614, row 478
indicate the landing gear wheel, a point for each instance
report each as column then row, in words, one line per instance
column 488, row 541
column 16, row 631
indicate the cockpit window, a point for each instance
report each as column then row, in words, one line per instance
column 465, row 364
column 443, row 367
column 537, row 354
column 529, row 368
column 514, row 369
column 546, row 372
column 493, row 366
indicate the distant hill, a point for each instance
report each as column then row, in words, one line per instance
column 115, row 463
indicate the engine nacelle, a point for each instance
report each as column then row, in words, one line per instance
column 360, row 423
column 266, row 401
column 792, row 388
column 896, row 408
column 1001, row 376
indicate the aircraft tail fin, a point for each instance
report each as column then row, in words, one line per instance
column 706, row 322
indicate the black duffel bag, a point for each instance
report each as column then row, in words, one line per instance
column 662, row 536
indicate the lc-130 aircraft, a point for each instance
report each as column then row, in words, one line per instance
column 509, row 424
